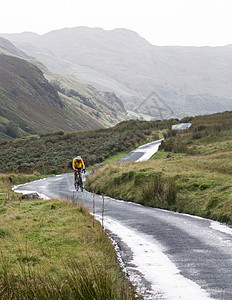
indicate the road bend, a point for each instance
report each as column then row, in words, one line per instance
column 170, row 255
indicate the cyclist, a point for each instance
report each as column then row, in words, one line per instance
column 77, row 165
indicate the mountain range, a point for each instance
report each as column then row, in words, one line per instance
column 34, row 100
column 153, row 81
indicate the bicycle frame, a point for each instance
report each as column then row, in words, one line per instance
column 78, row 180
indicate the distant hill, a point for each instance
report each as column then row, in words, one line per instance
column 6, row 47
column 30, row 104
column 185, row 80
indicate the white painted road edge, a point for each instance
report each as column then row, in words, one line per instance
column 150, row 260
column 221, row 227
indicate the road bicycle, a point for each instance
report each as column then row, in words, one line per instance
column 78, row 183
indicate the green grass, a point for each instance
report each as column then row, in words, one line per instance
column 117, row 156
column 196, row 179
column 52, row 249
column 193, row 184
column 7, row 180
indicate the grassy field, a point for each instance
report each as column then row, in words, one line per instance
column 195, row 179
column 52, row 249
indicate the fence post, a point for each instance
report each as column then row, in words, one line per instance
column 93, row 208
column 103, row 210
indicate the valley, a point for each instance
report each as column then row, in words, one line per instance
column 35, row 100
column 101, row 94
column 187, row 81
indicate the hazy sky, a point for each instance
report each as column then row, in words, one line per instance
column 161, row 22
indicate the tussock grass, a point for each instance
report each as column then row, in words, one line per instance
column 196, row 179
column 79, row 282
column 135, row 182
column 51, row 250
column 187, row 184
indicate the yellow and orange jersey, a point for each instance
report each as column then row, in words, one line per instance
column 77, row 164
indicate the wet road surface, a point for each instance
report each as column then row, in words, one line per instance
column 176, row 256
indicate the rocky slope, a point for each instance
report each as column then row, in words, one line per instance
column 30, row 104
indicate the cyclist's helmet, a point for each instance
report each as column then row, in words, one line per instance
column 78, row 158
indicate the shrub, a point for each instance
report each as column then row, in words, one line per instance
column 197, row 135
column 169, row 133
column 199, row 127
column 117, row 180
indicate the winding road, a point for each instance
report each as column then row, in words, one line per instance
column 168, row 255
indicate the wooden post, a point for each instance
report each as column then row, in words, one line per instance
column 93, row 208
column 103, row 210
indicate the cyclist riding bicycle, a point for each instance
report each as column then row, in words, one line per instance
column 77, row 165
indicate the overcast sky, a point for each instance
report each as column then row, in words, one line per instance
column 161, row 22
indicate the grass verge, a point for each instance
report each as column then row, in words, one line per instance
column 52, row 249
column 194, row 178
column 182, row 185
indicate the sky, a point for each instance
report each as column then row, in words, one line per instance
column 161, row 22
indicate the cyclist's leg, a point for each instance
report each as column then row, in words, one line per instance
column 81, row 182
column 76, row 182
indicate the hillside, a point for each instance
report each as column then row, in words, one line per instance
column 56, row 151
column 30, row 104
column 191, row 172
column 6, row 47
column 189, row 80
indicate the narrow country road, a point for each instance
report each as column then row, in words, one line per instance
column 167, row 254
column 142, row 153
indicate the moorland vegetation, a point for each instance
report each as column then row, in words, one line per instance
column 51, row 249
column 53, row 153
column 190, row 173
column 54, row 249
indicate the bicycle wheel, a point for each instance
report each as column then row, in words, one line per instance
column 80, row 181
column 81, row 186
column 76, row 184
